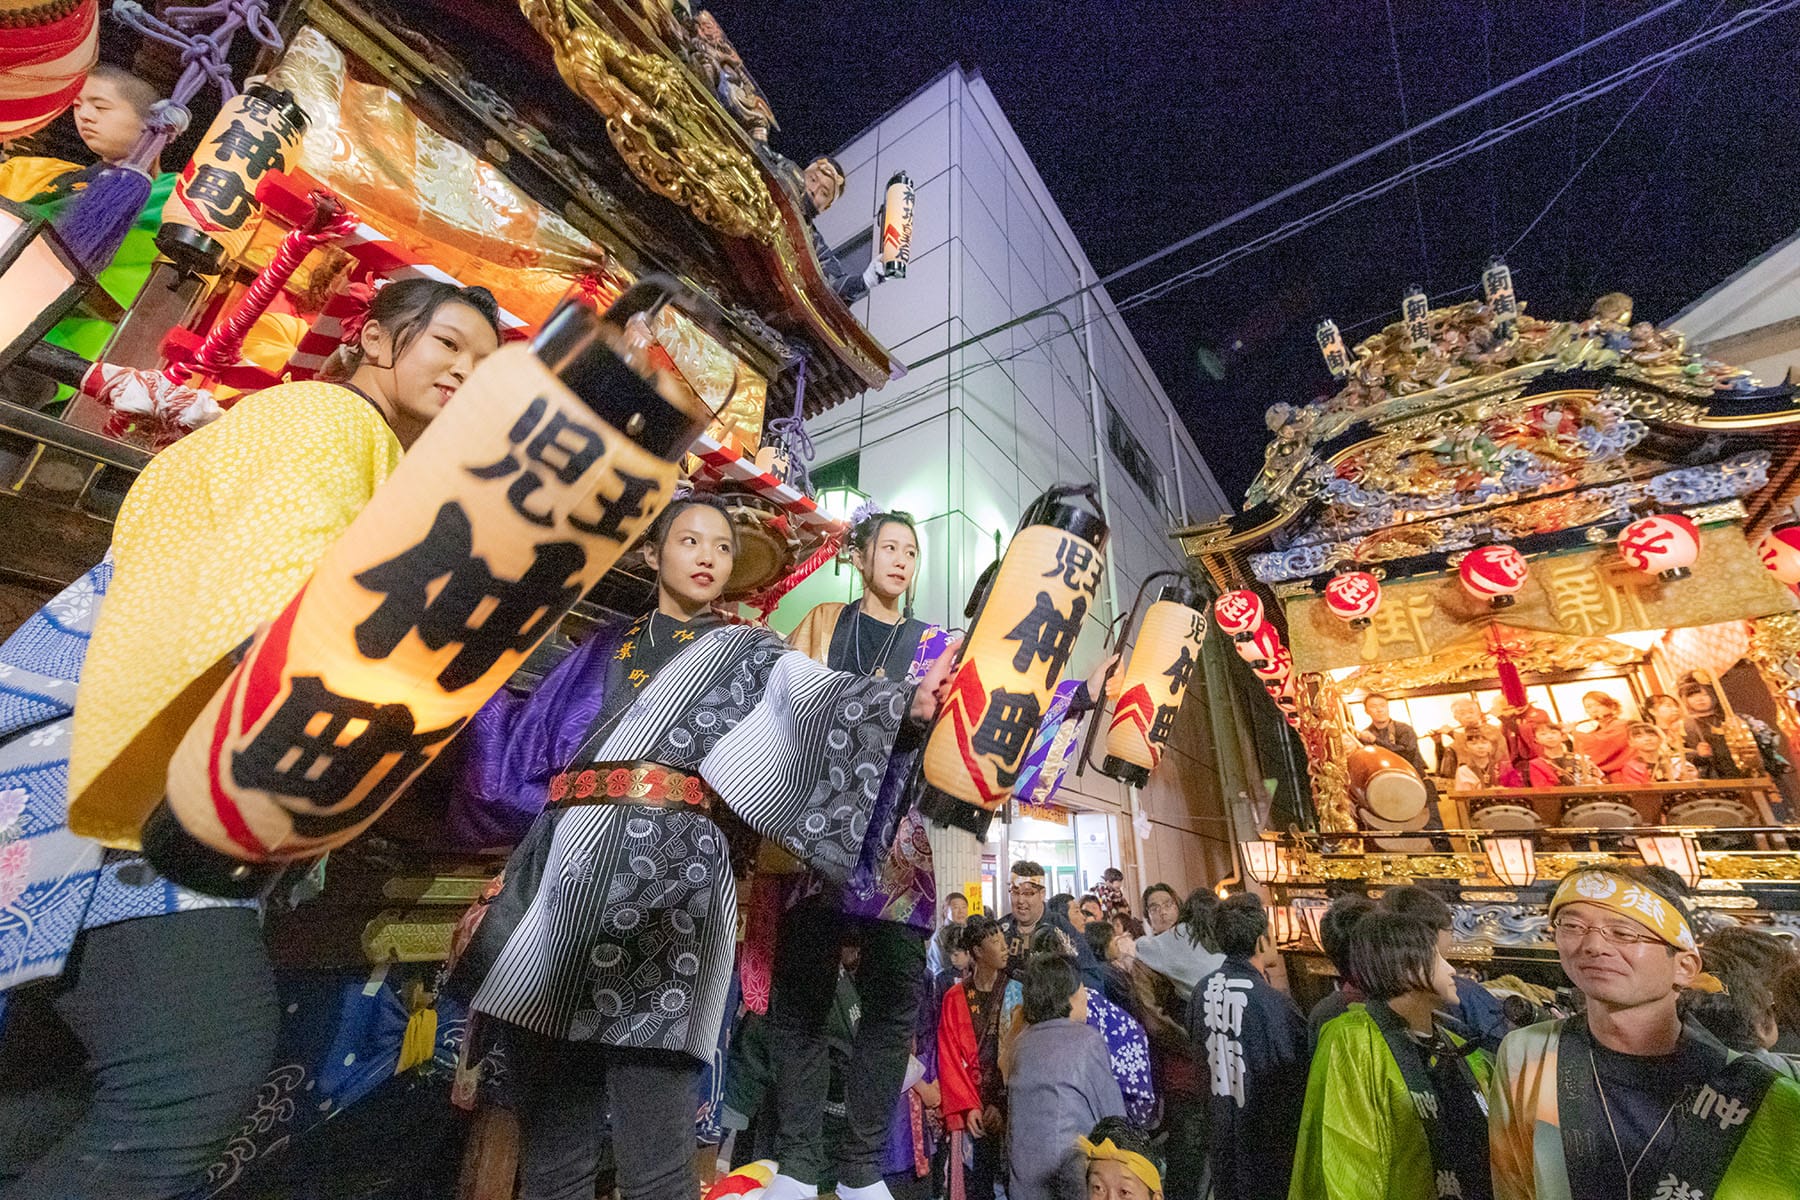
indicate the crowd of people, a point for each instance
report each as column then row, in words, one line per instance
column 1664, row 1067
column 1673, row 739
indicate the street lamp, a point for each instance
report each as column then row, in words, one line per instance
column 1513, row 860
column 40, row 281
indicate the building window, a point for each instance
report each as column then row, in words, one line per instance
column 1136, row 460
column 855, row 253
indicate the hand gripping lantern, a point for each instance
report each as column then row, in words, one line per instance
column 1162, row 666
column 1023, row 635
column 549, row 462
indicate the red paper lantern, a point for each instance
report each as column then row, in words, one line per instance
column 1259, row 649
column 1780, row 552
column 1665, row 545
column 1281, row 665
column 1353, row 596
column 1240, row 613
column 1493, row 573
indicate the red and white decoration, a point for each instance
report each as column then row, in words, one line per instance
column 1780, row 552
column 1281, row 666
column 1665, row 545
column 1493, row 573
column 45, row 53
column 1261, row 647
column 1240, row 613
column 1353, row 596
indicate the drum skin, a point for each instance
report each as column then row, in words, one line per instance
column 1385, row 784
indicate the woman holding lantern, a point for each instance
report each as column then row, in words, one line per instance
column 169, row 992
column 889, row 896
column 607, row 948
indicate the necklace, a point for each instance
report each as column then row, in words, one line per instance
column 1632, row 1170
column 880, row 671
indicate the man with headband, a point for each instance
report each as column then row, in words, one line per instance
column 1121, row 1162
column 1628, row 1101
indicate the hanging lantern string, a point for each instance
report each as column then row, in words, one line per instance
column 791, row 431
column 224, row 345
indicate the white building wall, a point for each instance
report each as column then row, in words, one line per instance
column 966, row 440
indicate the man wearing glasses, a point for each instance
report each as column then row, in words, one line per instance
column 1030, row 926
column 1627, row 1100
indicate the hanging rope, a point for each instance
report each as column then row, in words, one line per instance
column 224, row 345
column 791, row 431
column 94, row 227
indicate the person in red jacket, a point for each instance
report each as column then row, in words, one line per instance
column 973, row 1092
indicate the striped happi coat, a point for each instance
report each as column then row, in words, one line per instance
column 616, row 924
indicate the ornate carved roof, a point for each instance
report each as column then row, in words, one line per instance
column 1479, row 437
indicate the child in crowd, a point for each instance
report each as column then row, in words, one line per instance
column 1061, row 1083
column 973, row 1094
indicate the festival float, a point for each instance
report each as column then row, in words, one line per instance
column 1520, row 512
column 547, row 150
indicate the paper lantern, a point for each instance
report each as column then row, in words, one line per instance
column 1009, row 665
column 1513, row 860
column 1664, row 545
column 1311, row 911
column 1497, row 286
column 897, row 226
column 1331, row 346
column 1415, row 310
column 1261, row 647
column 1353, row 596
column 210, row 216
column 1267, row 861
column 1284, row 925
column 1675, row 851
column 509, row 507
column 1493, row 573
column 40, row 280
column 1278, row 666
column 44, row 59
column 1779, row 551
column 1239, row 613
column 1163, row 664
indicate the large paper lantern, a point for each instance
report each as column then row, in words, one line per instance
column 1353, row 596
column 1493, row 573
column 1279, row 667
column 1261, row 647
column 1015, row 653
column 1239, row 613
column 897, row 226
column 1664, row 545
column 210, row 216
column 509, row 507
column 46, row 51
column 1779, row 551
column 1163, row 664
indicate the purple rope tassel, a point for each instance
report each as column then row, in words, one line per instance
column 791, row 431
column 95, row 224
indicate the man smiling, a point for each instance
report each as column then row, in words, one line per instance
column 1030, row 913
column 1627, row 1100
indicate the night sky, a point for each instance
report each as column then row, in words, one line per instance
column 1151, row 120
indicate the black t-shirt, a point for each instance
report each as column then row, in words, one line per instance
column 1640, row 1093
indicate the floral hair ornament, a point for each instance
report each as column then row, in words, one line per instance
column 1131, row 1160
column 865, row 510
column 350, row 325
column 1628, row 898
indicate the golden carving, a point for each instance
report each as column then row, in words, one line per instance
column 672, row 135
column 1785, row 867
column 1473, row 659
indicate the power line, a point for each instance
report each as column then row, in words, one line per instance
column 1320, row 177
column 1400, row 89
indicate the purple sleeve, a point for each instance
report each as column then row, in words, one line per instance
column 516, row 743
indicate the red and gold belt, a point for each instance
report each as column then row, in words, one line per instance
column 650, row 784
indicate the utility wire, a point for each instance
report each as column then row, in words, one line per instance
column 1313, row 180
column 1406, row 122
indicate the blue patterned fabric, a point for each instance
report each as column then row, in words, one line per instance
column 54, row 884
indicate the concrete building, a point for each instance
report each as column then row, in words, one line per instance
column 1752, row 319
column 976, row 429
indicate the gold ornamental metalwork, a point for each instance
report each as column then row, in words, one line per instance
column 673, row 136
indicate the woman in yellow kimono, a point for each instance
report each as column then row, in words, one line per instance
column 1394, row 1105
column 169, row 993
